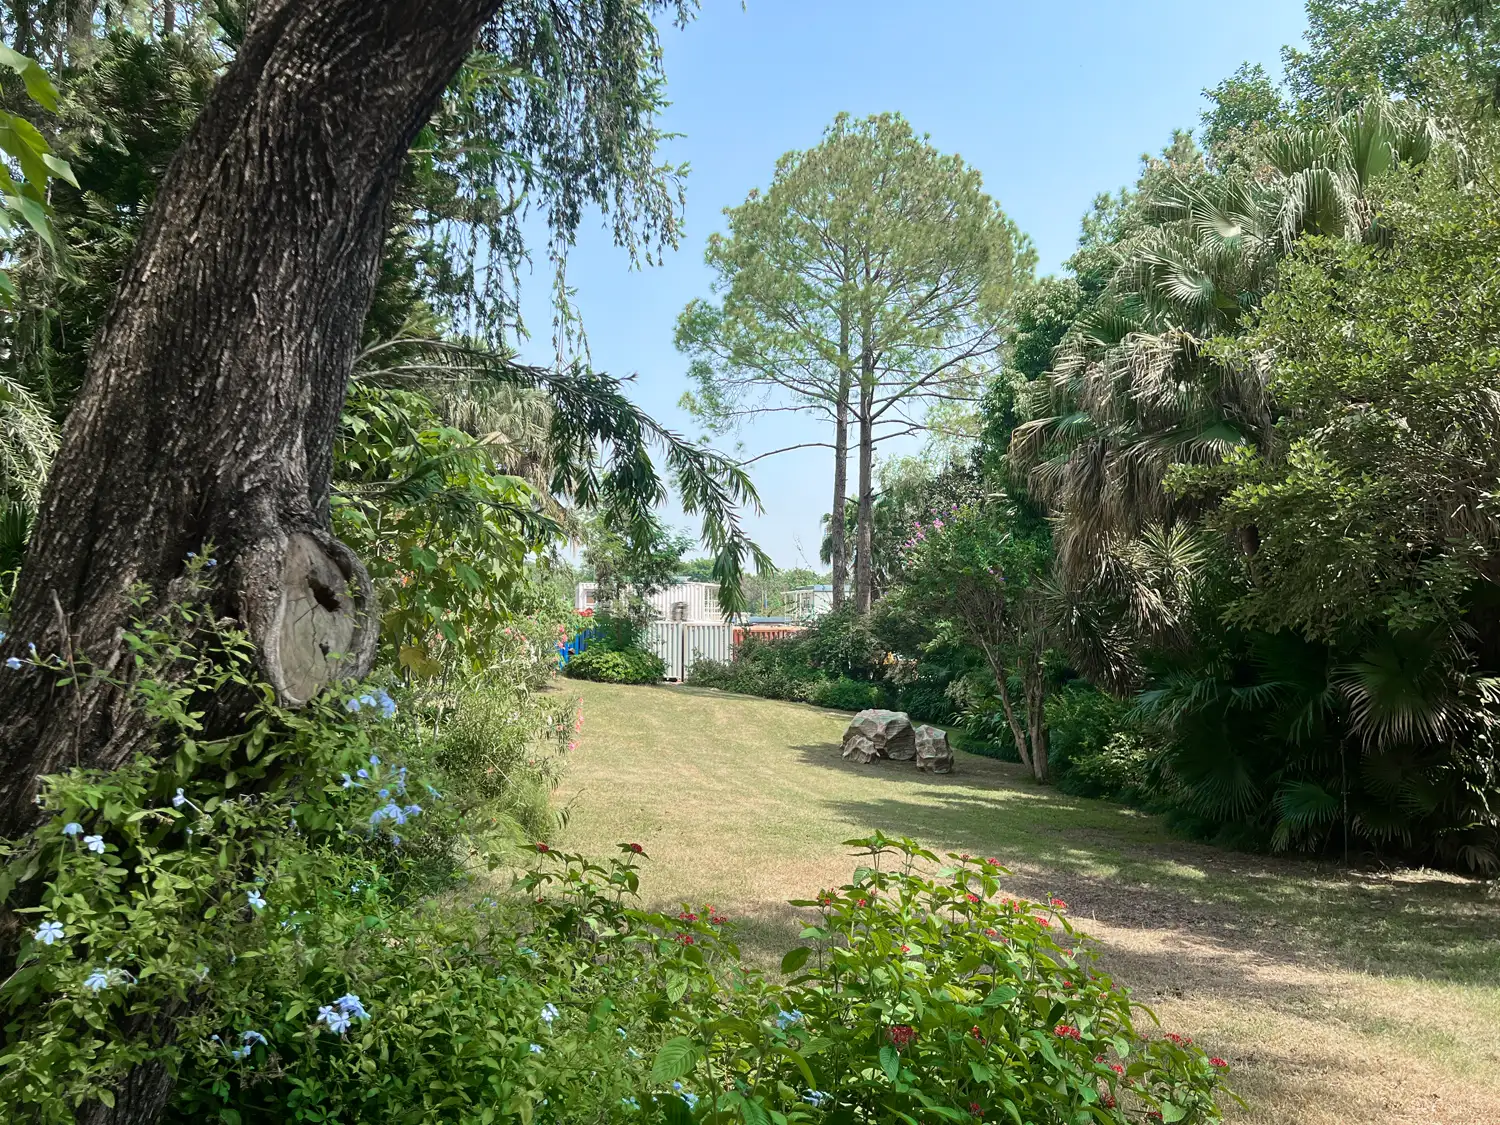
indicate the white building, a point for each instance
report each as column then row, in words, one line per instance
column 696, row 603
column 806, row 603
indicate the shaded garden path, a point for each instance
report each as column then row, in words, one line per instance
column 1338, row 997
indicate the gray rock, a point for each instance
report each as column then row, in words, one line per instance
column 858, row 748
column 889, row 734
column 933, row 753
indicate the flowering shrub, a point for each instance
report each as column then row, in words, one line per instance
column 933, row 995
column 154, row 901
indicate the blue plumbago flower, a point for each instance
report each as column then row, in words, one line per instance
column 388, row 811
column 632, row 1052
column 239, row 1052
column 362, row 772
column 335, row 1020
column 549, row 1012
column 620, row 1031
column 255, row 899
column 201, row 972
column 396, row 839
column 536, row 1048
column 348, row 782
column 97, row 981
column 413, row 810
column 13, row 663
column 529, row 952
column 210, row 562
column 94, row 844
column 401, row 782
column 374, row 761
column 350, row 1005
column 630, row 1103
column 686, row 1095
column 384, row 793
column 387, row 704
column 31, row 648
column 48, row 932
column 436, row 796
column 815, row 1097
column 252, row 1037
column 351, row 705
column 367, row 701
column 179, row 800
column 192, row 554
column 72, row 828
column 785, row 1020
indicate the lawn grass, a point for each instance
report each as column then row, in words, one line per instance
column 1339, row 996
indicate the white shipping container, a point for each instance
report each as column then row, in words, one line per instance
column 682, row 644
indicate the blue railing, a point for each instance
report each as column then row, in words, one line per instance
column 566, row 652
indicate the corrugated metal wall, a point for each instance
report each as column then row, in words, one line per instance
column 682, row 644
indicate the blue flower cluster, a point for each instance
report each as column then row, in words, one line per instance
column 248, row 1040
column 343, row 1011
column 378, row 699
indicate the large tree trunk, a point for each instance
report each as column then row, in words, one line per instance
column 208, row 413
column 213, row 392
column 838, row 530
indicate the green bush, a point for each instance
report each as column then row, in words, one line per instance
column 1081, row 720
column 512, row 766
column 923, row 994
column 631, row 666
column 926, row 700
column 1121, row 770
column 845, row 694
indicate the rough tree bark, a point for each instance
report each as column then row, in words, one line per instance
column 215, row 386
column 214, row 389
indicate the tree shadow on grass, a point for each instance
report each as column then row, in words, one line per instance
column 1116, row 865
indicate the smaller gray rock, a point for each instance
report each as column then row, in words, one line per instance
column 933, row 752
column 858, row 748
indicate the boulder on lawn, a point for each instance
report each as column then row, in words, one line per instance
column 933, row 753
column 889, row 734
column 858, row 748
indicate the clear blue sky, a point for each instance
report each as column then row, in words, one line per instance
column 1053, row 103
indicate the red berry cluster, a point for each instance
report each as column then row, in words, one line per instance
column 685, row 939
column 1067, row 1031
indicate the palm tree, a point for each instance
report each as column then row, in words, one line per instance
column 1134, row 389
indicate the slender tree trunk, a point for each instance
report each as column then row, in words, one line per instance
column 1017, row 731
column 169, row 17
column 1036, row 718
column 864, row 530
column 214, row 389
column 838, row 530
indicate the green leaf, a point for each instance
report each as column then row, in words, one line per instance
column 1172, row 1112
column 890, row 1061
column 39, row 88
column 674, row 1059
column 795, row 959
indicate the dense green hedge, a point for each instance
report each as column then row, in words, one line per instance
column 629, row 666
